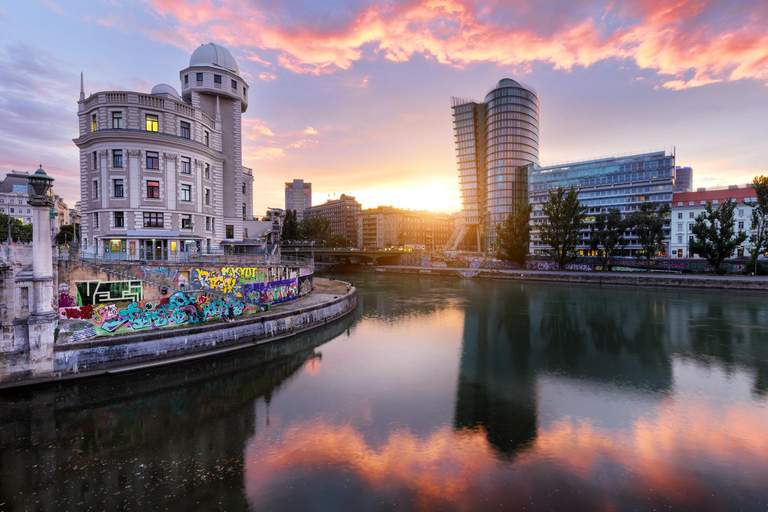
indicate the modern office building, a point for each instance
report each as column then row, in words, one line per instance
column 344, row 214
column 386, row 226
column 686, row 206
column 298, row 196
column 621, row 182
column 495, row 142
column 683, row 179
column 162, row 173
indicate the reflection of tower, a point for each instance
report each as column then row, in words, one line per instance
column 495, row 141
column 496, row 388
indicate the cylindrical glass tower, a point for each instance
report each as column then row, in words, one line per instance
column 512, row 131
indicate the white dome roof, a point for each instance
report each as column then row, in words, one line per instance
column 213, row 54
column 165, row 90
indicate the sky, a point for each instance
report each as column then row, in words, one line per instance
column 354, row 96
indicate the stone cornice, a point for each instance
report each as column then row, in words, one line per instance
column 118, row 137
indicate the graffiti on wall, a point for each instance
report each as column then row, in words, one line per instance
column 100, row 292
column 203, row 279
column 246, row 275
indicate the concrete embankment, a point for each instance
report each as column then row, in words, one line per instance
column 147, row 349
column 659, row 280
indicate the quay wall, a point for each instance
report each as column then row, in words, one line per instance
column 654, row 280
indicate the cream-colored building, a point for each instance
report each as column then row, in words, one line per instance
column 162, row 173
column 386, row 226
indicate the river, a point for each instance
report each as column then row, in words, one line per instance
column 437, row 393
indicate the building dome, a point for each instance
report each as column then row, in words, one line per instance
column 212, row 54
column 507, row 82
column 165, row 91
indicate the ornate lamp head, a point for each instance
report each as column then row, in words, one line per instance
column 41, row 185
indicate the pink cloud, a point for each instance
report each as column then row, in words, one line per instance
column 711, row 39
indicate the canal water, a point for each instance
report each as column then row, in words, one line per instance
column 437, row 393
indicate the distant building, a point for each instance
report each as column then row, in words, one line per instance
column 343, row 213
column 683, row 179
column 387, row 226
column 495, row 141
column 686, row 206
column 14, row 194
column 298, row 196
column 621, row 182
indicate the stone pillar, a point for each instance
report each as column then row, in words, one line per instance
column 42, row 319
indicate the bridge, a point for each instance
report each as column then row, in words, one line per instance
column 343, row 255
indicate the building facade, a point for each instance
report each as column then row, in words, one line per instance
column 686, row 206
column 622, row 182
column 683, row 179
column 298, row 196
column 162, row 173
column 344, row 214
column 386, row 226
column 495, row 142
column 14, row 194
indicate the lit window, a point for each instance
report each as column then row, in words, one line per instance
column 119, row 220
column 153, row 160
column 118, row 185
column 117, row 158
column 153, row 190
column 230, row 231
column 186, row 192
column 117, row 120
column 186, row 165
column 94, row 125
column 184, row 131
column 151, row 123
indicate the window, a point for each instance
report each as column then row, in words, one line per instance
column 230, row 231
column 94, row 125
column 199, row 77
column 217, row 79
column 207, row 139
column 243, row 188
column 679, row 215
column 96, row 220
column 186, row 79
column 95, row 160
column 679, row 226
column 208, row 196
column 186, row 165
column 186, row 192
column 741, row 224
column 184, row 131
column 13, row 210
column 207, row 171
column 234, row 85
column 243, row 210
column 741, row 213
column 213, row 223
column 153, row 160
column 153, row 189
column 186, row 222
column 118, row 186
column 679, row 239
column 153, row 220
column 119, row 220
column 117, row 120
column 151, row 123
column 690, row 215
column 95, row 189
column 117, row 158
column 207, row 223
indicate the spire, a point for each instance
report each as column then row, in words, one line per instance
column 82, row 87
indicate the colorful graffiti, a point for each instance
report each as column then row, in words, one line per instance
column 218, row 281
column 245, row 274
column 100, row 292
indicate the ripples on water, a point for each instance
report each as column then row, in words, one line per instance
column 437, row 394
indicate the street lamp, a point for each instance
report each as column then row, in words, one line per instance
column 41, row 185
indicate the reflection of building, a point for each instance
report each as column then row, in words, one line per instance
column 686, row 206
column 161, row 173
column 621, row 182
column 387, row 226
column 14, row 193
column 343, row 214
column 494, row 141
column 683, row 179
column 298, row 196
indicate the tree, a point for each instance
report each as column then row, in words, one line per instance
column 563, row 223
column 290, row 226
column 608, row 235
column 515, row 235
column 648, row 224
column 13, row 227
column 714, row 236
column 67, row 234
column 759, row 236
column 315, row 228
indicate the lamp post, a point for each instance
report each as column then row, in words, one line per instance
column 42, row 317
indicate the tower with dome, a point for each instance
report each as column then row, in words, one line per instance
column 161, row 173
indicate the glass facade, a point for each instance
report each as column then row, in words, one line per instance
column 608, row 183
column 495, row 142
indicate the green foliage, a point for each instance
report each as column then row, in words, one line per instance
column 648, row 224
column 715, row 238
column 514, row 235
column 290, row 227
column 759, row 236
column 315, row 228
column 762, row 269
column 563, row 223
column 19, row 232
column 67, row 234
column 608, row 235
